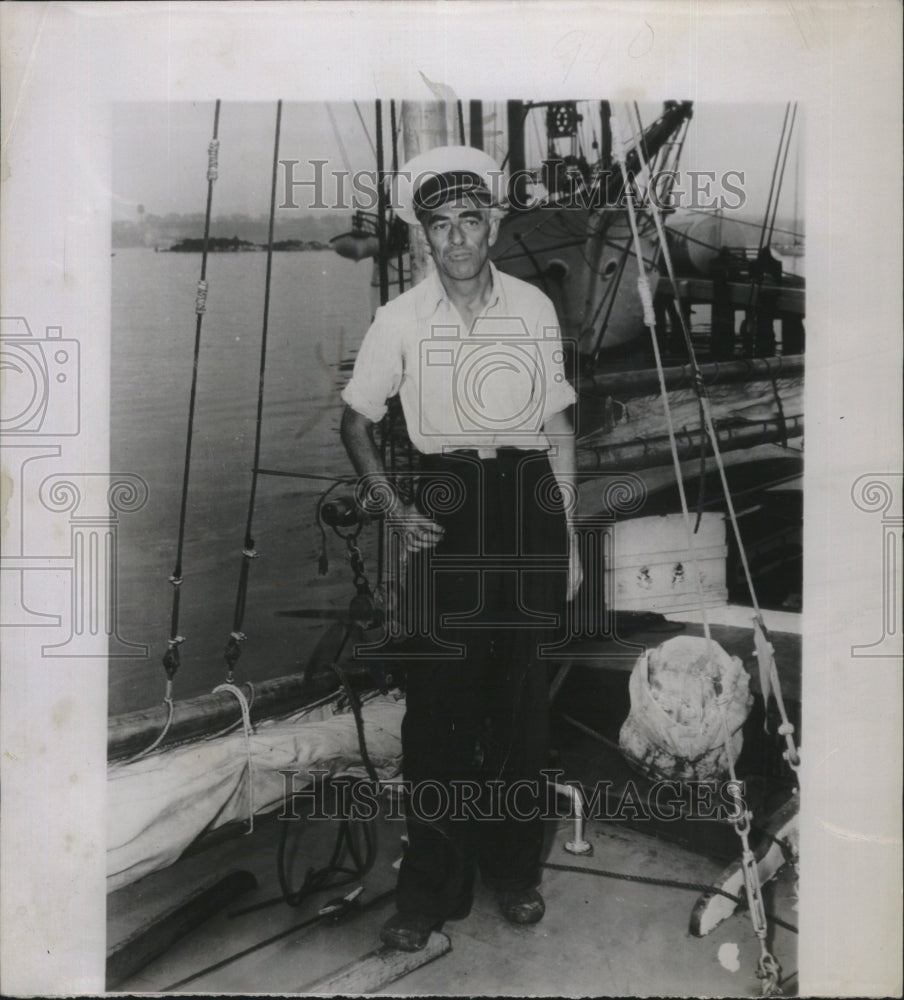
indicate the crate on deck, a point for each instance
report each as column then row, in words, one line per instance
column 650, row 565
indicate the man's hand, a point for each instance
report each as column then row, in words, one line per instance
column 418, row 530
column 575, row 570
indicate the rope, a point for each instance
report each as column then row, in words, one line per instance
column 787, row 729
column 355, row 704
column 238, row 722
column 333, row 874
column 643, row 284
column 248, row 730
column 764, row 647
column 170, row 712
column 233, row 649
column 171, row 658
column 768, row 970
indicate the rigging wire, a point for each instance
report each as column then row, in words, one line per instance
column 786, row 729
column 768, row 969
column 781, row 176
column 338, row 135
column 171, row 658
column 775, row 167
column 233, row 649
column 366, row 132
column 304, row 475
column 778, row 172
column 745, row 222
column 609, row 300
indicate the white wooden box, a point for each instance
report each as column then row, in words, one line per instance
column 649, row 565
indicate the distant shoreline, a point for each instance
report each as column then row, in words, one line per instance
column 219, row 244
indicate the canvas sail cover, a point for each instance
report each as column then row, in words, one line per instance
column 158, row 805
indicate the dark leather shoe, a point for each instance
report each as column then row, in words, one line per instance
column 522, row 906
column 408, row 931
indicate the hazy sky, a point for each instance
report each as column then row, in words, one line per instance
column 160, row 150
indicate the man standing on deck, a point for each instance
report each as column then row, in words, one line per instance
column 477, row 360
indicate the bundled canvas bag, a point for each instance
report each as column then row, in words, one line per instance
column 674, row 728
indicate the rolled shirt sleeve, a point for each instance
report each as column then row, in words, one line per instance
column 378, row 370
column 558, row 391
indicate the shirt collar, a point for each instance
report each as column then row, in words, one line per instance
column 434, row 294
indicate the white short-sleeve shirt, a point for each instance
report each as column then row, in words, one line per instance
column 493, row 385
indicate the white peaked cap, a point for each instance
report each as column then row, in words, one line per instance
column 442, row 160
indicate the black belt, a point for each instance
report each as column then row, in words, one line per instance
column 491, row 454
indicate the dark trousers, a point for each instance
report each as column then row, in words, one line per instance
column 478, row 723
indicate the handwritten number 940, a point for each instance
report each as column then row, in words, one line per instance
column 577, row 48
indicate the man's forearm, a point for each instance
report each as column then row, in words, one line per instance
column 562, row 461
column 356, row 432
column 420, row 531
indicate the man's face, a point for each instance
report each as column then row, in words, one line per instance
column 460, row 235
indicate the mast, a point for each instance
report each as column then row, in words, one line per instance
column 605, row 135
column 516, row 162
column 425, row 125
column 475, row 115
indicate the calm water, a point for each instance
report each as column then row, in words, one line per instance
column 319, row 308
